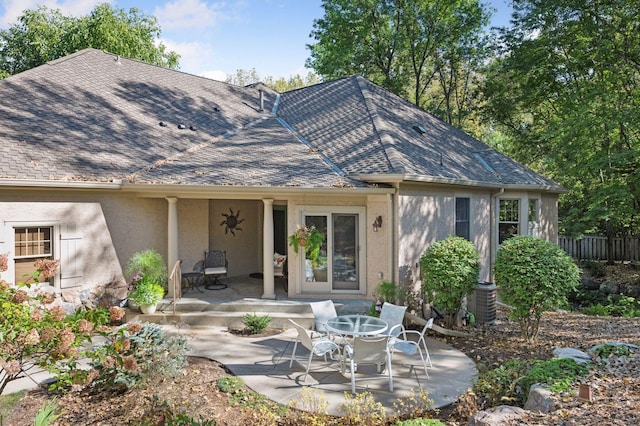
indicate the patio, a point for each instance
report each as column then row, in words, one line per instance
column 263, row 363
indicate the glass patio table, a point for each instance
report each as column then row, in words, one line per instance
column 356, row 325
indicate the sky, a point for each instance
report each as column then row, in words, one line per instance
column 216, row 38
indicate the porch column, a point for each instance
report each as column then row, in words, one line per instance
column 267, row 250
column 172, row 236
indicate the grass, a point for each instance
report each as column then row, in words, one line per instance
column 8, row 402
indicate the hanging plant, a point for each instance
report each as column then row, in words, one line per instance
column 308, row 237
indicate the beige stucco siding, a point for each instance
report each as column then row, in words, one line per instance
column 549, row 217
column 427, row 215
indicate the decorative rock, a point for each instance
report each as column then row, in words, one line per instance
column 575, row 354
column 540, row 400
column 496, row 416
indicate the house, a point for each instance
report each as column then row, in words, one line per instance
column 103, row 156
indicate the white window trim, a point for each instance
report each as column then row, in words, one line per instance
column 304, row 210
column 10, row 244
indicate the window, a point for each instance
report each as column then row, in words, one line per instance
column 533, row 218
column 462, row 218
column 509, row 219
column 31, row 243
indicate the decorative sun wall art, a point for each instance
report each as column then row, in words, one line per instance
column 231, row 222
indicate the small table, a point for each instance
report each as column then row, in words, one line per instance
column 357, row 325
column 193, row 279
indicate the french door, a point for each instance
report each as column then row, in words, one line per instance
column 339, row 264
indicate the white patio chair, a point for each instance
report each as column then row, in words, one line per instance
column 368, row 350
column 318, row 347
column 215, row 266
column 393, row 315
column 410, row 347
column 322, row 312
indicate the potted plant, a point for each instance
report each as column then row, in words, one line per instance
column 146, row 293
column 308, row 237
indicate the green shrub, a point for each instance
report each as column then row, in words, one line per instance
column 256, row 324
column 450, row 270
column 502, row 385
column 617, row 305
column 596, row 268
column 559, row 373
column 137, row 354
column 419, row 422
column 230, row 384
column 386, row 291
column 605, row 351
column 534, row 276
column 148, row 263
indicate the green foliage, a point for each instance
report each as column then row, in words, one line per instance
column 596, row 268
column 146, row 292
column 362, row 409
column 8, row 402
column 244, row 78
column 310, row 238
column 148, row 264
column 230, row 384
column 34, row 334
column 559, row 373
column 137, row 354
column 158, row 412
column 47, row 414
column 617, row 305
column 533, row 276
column 567, row 98
column 43, row 35
column 605, row 351
column 427, row 52
column 386, row 291
column 450, row 270
column 412, row 407
column 256, row 324
column 502, row 385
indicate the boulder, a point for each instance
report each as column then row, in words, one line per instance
column 496, row 416
column 575, row 354
column 540, row 400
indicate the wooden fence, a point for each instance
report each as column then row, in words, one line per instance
column 595, row 248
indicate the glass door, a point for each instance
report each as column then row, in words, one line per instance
column 315, row 261
column 344, row 252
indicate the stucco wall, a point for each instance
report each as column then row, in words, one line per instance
column 427, row 215
column 549, row 217
column 244, row 249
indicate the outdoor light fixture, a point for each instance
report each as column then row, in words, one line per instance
column 377, row 223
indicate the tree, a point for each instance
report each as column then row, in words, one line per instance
column 566, row 91
column 534, row 276
column 423, row 50
column 244, row 78
column 43, row 34
column 450, row 271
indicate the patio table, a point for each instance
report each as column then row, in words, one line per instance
column 193, row 279
column 356, row 325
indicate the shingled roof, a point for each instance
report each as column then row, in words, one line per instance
column 94, row 116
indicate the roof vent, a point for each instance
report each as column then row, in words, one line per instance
column 181, row 126
column 117, row 60
column 418, row 128
column 163, row 124
column 193, row 129
column 216, row 109
column 261, row 101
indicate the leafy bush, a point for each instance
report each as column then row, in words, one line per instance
column 557, row 372
column 47, row 414
column 605, row 351
column 136, row 354
column 147, row 291
column 148, row 263
column 502, row 385
column 596, row 268
column 33, row 334
column 450, row 269
column 386, row 291
column 419, row 422
column 256, row 324
column 230, row 384
column 618, row 305
column 534, row 276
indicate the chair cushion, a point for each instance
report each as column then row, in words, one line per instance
column 278, row 259
column 409, row 348
column 215, row 271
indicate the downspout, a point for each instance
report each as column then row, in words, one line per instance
column 493, row 238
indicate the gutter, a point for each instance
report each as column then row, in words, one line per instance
column 36, row 184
